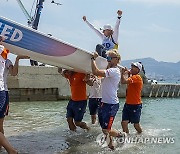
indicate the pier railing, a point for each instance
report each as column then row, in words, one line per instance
column 155, row 90
column 162, row 90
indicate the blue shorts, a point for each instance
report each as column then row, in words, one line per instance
column 7, row 102
column 131, row 113
column 106, row 114
column 94, row 105
column 76, row 110
column 3, row 104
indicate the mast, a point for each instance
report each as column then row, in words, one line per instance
column 38, row 10
column 34, row 21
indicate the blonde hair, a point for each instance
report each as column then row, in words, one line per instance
column 115, row 52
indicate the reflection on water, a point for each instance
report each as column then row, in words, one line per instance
column 42, row 125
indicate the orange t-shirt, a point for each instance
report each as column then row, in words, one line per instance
column 78, row 86
column 134, row 88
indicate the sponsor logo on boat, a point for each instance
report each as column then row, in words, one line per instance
column 11, row 33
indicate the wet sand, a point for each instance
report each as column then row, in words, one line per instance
column 46, row 142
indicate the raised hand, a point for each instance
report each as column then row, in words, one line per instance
column 23, row 57
column 84, row 18
column 119, row 12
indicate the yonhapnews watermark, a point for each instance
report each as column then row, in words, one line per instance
column 101, row 139
column 147, row 140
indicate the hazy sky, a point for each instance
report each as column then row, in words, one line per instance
column 149, row 28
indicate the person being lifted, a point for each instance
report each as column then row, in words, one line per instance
column 109, row 36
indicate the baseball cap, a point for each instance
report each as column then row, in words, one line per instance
column 105, row 27
column 138, row 65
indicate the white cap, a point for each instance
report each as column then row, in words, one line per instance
column 105, row 27
column 138, row 65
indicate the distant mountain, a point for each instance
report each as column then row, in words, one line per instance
column 157, row 69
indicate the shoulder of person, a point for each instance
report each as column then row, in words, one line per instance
column 80, row 74
column 1, row 48
column 8, row 61
column 136, row 77
column 113, row 70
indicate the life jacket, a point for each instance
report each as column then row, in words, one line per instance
column 115, row 44
column 109, row 43
column 5, row 53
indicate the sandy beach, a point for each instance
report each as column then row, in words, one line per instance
column 46, row 142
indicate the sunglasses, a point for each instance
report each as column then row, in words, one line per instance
column 110, row 58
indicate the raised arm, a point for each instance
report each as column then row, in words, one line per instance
column 60, row 71
column 64, row 73
column 124, row 72
column 116, row 28
column 88, row 80
column 94, row 67
column 98, row 32
column 13, row 70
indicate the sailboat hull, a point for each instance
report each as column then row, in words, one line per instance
column 22, row 40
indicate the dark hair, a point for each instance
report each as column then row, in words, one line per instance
column 142, row 67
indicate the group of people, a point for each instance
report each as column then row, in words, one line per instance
column 103, row 99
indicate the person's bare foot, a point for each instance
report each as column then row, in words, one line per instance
column 87, row 129
column 109, row 142
column 121, row 136
column 13, row 151
column 111, row 146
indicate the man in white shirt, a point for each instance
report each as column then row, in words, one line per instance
column 95, row 96
column 13, row 71
column 110, row 102
column 3, row 99
column 3, row 57
column 109, row 36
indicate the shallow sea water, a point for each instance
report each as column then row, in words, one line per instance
column 40, row 127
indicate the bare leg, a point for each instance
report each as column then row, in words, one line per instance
column 113, row 133
column 4, row 142
column 110, row 145
column 1, row 125
column 124, row 125
column 93, row 119
column 71, row 124
column 83, row 125
column 138, row 128
column 110, row 134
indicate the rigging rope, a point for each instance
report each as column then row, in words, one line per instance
column 24, row 10
column 32, row 7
